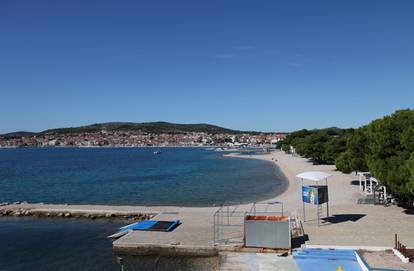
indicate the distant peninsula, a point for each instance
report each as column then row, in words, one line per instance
column 138, row 134
column 146, row 127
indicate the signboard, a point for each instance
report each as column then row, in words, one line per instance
column 317, row 194
column 309, row 195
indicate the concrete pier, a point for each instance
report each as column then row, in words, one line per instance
column 194, row 237
column 350, row 225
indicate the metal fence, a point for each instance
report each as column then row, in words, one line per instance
column 228, row 220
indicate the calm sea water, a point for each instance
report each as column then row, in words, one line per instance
column 56, row 244
column 52, row 244
column 177, row 176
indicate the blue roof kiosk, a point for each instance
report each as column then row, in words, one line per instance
column 313, row 192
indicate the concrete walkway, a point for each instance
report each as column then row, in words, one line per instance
column 362, row 225
column 256, row 262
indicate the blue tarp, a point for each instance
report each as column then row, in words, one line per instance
column 152, row 225
column 143, row 225
column 326, row 259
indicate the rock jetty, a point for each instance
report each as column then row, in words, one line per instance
column 24, row 209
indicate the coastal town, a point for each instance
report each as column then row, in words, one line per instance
column 207, row 135
column 138, row 139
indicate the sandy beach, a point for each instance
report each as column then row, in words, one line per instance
column 340, row 189
column 358, row 225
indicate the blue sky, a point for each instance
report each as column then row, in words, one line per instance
column 249, row 65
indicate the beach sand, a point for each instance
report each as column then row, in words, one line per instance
column 352, row 224
column 340, row 189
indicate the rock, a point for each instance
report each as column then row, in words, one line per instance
column 60, row 214
column 47, row 214
column 16, row 202
column 67, row 215
column 109, row 215
column 17, row 213
column 4, row 204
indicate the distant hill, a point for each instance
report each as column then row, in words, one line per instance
column 148, row 127
column 18, row 134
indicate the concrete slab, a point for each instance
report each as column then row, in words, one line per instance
column 256, row 261
column 362, row 225
column 193, row 237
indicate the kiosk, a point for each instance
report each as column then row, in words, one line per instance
column 313, row 192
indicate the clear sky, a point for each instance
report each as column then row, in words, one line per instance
column 250, row 65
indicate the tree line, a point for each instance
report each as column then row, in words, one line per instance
column 385, row 147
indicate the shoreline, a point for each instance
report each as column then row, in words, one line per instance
column 286, row 195
column 121, row 147
column 92, row 211
column 286, row 191
column 287, row 165
column 27, row 204
column 265, row 157
column 345, row 228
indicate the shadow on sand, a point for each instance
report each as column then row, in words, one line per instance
column 408, row 210
column 343, row 218
column 298, row 241
column 356, row 182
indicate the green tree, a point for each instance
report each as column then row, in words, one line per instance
column 354, row 156
column 313, row 146
column 343, row 162
column 410, row 166
column 384, row 147
column 390, row 142
column 333, row 148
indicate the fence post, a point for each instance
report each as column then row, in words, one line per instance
column 395, row 243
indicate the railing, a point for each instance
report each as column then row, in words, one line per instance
column 228, row 225
column 228, row 221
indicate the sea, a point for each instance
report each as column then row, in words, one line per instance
column 114, row 176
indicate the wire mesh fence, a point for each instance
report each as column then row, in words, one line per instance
column 229, row 220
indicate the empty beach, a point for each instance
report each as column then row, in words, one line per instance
column 351, row 224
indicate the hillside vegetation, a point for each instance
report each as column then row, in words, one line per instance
column 385, row 147
column 147, row 127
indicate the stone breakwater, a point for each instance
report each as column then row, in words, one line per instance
column 39, row 210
